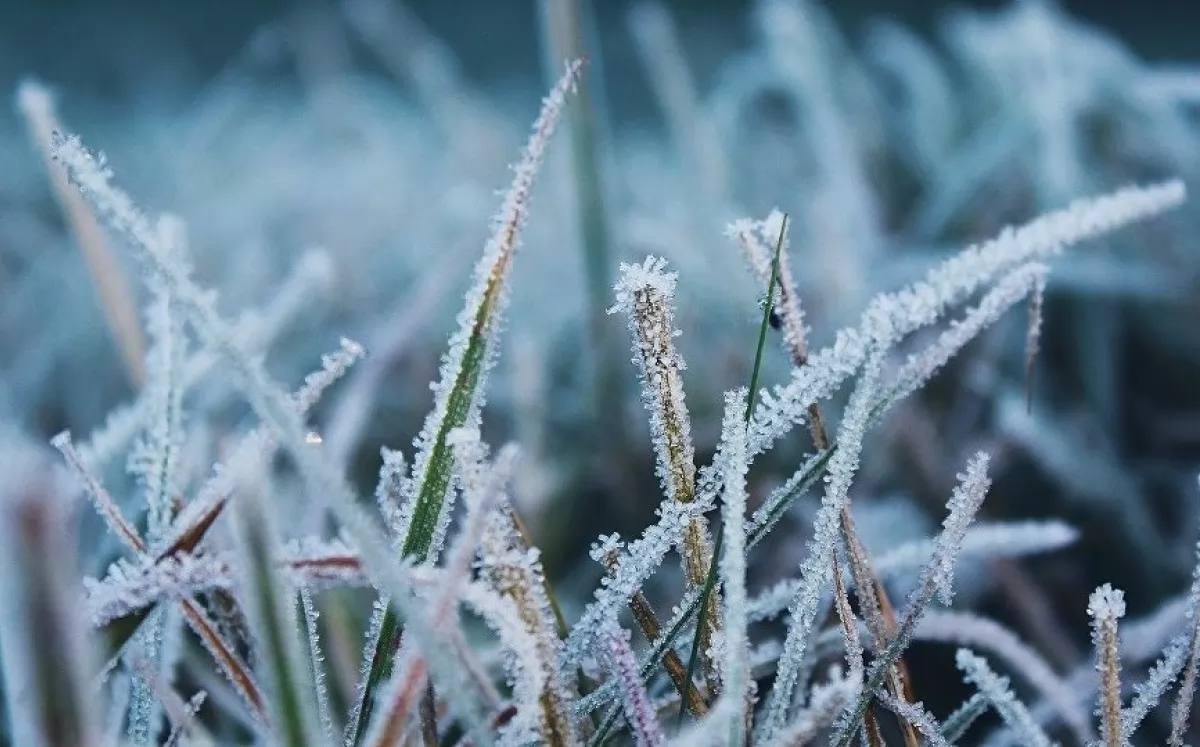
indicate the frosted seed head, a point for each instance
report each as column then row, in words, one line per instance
column 1106, row 603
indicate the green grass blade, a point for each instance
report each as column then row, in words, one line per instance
column 711, row 580
column 464, row 367
column 273, row 620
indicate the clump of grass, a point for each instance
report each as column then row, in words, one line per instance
column 534, row 677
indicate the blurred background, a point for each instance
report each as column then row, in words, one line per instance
column 336, row 166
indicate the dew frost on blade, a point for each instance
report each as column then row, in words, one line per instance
column 815, row 569
column 638, row 708
column 921, row 303
column 1106, row 606
column 995, row 689
column 459, row 393
column 737, row 686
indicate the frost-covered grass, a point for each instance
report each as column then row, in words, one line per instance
column 862, row 448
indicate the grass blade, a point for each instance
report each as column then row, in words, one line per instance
column 44, row 652
column 273, row 621
column 711, row 580
column 459, row 393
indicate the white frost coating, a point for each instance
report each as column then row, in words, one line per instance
column 949, row 283
column 638, row 709
column 968, row 495
column 155, row 457
column 258, row 445
column 757, row 240
column 922, row 303
column 815, row 569
column 961, row 719
column 522, row 660
column 269, row 402
column 515, row 571
column 646, row 294
column 485, row 301
column 101, row 498
column 370, row 643
column 390, row 491
column 333, row 367
column 1187, row 689
column 966, row 629
column 633, row 565
column 133, row 585
column 255, row 330
column 1106, row 606
column 482, row 484
column 935, row 577
column 1014, row 286
column 269, row 603
column 826, row 701
column 316, row 662
column 735, row 668
column 915, row 714
column 1159, row 679
column 995, row 688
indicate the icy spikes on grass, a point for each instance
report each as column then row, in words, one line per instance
column 961, row 719
column 316, row 663
column 936, row 578
column 155, row 458
column 995, row 690
column 516, row 572
column 1182, row 708
column 1148, row 692
column 922, row 303
column 224, row 654
column 101, row 498
column 192, row 524
column 815, row 568
column 964, row 503
column 1106, row 606
column 482, row 484
column 639, row 710
column 916, row 715
column 390, row 490
column 636, row 561
column 458, row 395
column 736, row 684
column 646, row 293
column 826, row 701
column 255, row 330
column 333, row 367
column 757, row 240
column 981, row 633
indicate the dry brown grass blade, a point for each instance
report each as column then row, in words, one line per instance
column 643, row 613
column 116, row 298
column 555, row 713
column 101, row 499
column 189, row 539
column 225, row 656
column 647, row 620
column 880, row 616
